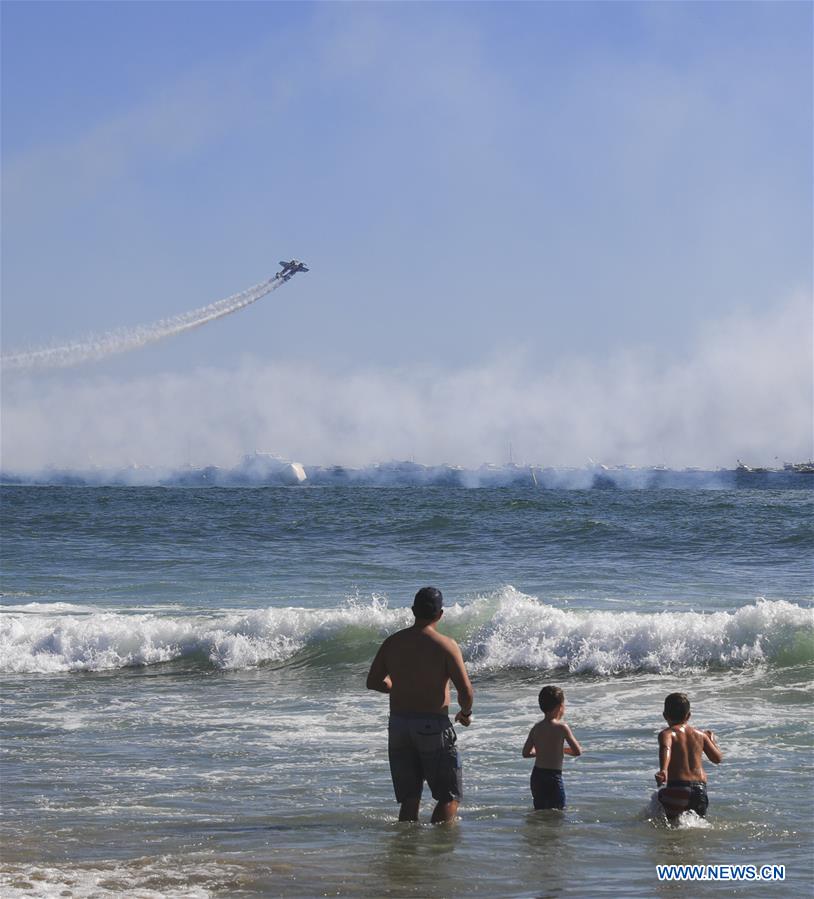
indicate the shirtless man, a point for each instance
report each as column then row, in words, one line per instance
column 414, row 666
column 680, row 768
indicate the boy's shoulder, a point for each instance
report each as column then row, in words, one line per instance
column 552, row 725
column 676, row 730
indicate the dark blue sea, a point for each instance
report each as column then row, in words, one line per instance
column 184, row 703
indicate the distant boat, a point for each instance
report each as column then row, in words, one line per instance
column 742, row 468
column 268, row 468
column 800, row 467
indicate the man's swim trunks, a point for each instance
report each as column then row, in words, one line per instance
column 422, row 747
column 547, row 788
column 680, row 796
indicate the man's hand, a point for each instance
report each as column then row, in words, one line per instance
column 661, row 777
column 712, row 736
column 464, row 718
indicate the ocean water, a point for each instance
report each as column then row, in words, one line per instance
column 184, row 711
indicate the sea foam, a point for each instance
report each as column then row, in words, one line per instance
column 525, row 633
column 502, row 631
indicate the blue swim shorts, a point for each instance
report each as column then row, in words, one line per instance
column 680, row 796
column 547, row 788
column 422, row 747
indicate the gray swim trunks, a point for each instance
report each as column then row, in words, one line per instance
column 422, row 747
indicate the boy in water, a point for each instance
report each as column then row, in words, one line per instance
column 680, row 768
column 545, row 744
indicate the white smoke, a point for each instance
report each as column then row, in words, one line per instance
column 122, row 340
column 744, row 392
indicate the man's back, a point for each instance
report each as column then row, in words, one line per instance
column 420, row 662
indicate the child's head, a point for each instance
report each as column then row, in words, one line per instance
column 676, row 708
column 550, row 698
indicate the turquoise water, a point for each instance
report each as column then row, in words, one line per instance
column 185, row 713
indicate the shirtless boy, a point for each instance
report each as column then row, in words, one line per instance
column 414, row 666
column 546, row 745
column 680, row 770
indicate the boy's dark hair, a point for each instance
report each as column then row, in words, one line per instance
column 550, row 698
column 677, row 707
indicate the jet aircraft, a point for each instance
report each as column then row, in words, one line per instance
column 290, row 268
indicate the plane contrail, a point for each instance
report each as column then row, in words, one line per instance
column 122, row 340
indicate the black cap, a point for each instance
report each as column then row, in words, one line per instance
column 428, row 602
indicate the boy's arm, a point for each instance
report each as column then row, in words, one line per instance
column 665, row 749
column 573, row 748
column 529, row 749
column 711, row 749
column 377, row 678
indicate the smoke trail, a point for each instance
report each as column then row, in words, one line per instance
column 122, row 340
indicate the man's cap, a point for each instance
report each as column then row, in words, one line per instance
column 428, row 602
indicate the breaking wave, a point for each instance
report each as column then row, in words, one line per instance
column 503, row 631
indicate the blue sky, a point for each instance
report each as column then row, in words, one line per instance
column 561, row 184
